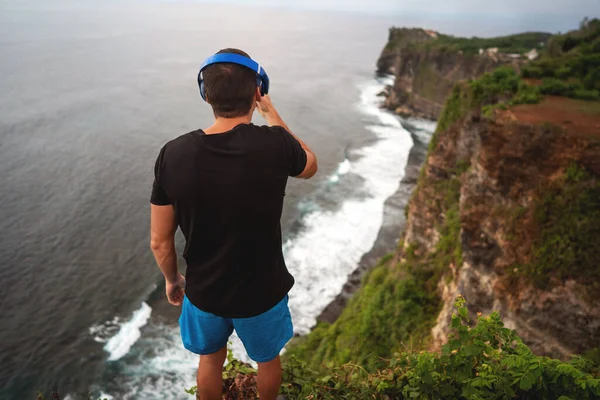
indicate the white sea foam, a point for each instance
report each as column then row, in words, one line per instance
column 344, row 167
column 332, row 242
column 423, row 124
column 387, row 80
column 423, row 129
column 164, row 375
column 104, row 331
column 129, row 333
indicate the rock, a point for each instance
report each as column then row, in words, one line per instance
column 404, row 112
column 503, row 175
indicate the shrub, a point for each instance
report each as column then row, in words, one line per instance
column 592, row 80
column 527, row 94
column 531, row 72
column 583, row 94
column 563, row 72
column 482, row 360
column 554, row 87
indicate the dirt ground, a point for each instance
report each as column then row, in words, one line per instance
column 577, row 116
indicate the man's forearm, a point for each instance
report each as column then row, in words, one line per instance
column 166, row 258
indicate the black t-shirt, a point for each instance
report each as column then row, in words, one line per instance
column 227, row 190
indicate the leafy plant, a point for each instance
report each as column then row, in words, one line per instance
column 231, row 370
column 481, row 360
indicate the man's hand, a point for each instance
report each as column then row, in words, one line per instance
column 266, row 108
column 175, row 290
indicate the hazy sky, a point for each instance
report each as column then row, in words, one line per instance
column 553, row 15
column 507, row 7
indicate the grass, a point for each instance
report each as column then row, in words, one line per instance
column 519, row 43
column 388, row 310
column 586, row 107
column 496, row 90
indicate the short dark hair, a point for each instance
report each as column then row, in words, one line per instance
column 230, row 88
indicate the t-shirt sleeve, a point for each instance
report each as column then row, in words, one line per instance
column 294, row 153
column 159, row 195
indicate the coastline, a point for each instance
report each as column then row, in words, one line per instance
column 394, row 222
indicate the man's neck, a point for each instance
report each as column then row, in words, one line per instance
column 226, row 124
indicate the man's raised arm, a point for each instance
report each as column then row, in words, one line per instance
column 270, row 114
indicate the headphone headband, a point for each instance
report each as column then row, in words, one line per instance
column 262, row 78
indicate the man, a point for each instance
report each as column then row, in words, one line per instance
column 224, row 187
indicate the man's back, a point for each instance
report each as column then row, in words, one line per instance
column 227, row 190
column 224, row 187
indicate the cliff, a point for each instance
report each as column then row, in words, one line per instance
column 427, row 65
column 527, row 201
column 506, row 214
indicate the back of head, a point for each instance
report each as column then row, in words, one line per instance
column 230, row 88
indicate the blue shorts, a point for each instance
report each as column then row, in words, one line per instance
column 263, row 336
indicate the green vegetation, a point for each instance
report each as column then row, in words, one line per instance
column 427, row 81
column 498, row 89
column 483, row 360
column 575, row 90
column 519, row 44
column 572, row 61
column 391, row 307
column 232, row 369
column 457, row 105
column 567, row 216
column 397, row 304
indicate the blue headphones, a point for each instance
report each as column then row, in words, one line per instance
column 262, row 79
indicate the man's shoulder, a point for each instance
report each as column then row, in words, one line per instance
column 181, row 142
column 264, row 129
column 270, row 134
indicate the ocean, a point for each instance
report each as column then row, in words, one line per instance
column 89, row 92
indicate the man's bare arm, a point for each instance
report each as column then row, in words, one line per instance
column 162, row 243
column 270, row 114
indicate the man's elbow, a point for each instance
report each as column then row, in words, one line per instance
column 159, row 245
column 311, row 171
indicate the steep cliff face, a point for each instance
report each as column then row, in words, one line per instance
column 507, row 186
column 426, row 68
column 505, row 214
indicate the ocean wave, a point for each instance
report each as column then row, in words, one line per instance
column 129, row 332
column 342, row 169
column 331, row 243
column 104, row 331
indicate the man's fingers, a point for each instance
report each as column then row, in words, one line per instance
column 175, row 302
column 176, row 296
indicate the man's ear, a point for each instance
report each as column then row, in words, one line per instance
column 257, row 95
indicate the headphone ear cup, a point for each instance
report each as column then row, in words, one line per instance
column 202, row 93
column 259, row 83
column 264, row 87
